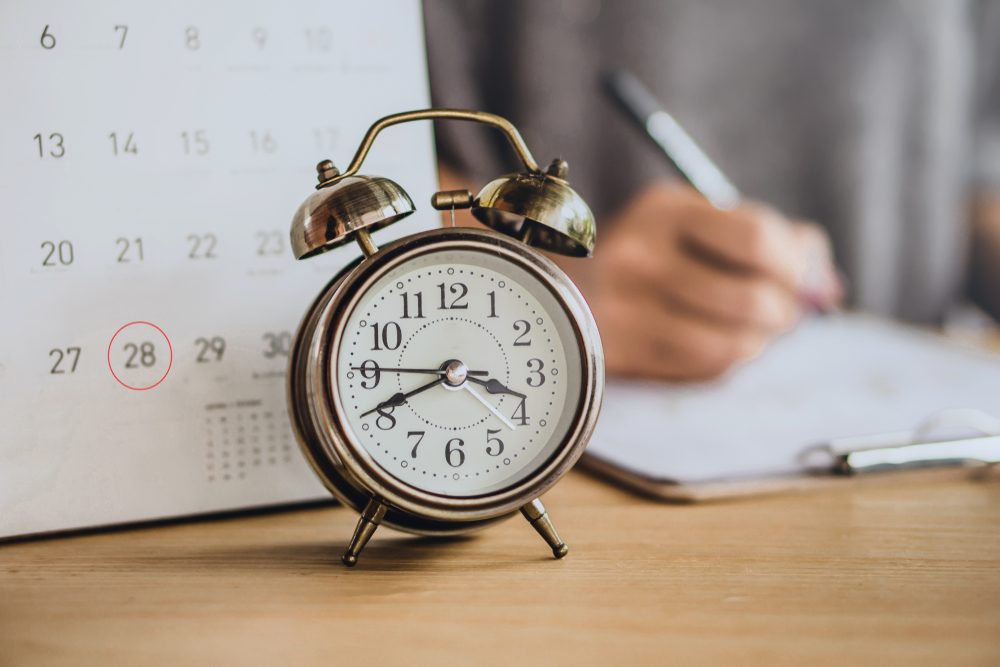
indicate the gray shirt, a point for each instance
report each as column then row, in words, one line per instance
column 873, row 117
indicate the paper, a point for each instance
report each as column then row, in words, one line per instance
column 153, row 156
column 833, row 377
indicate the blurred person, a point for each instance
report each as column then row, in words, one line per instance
column 878, row 120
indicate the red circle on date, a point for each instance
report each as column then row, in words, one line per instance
column 170, row 362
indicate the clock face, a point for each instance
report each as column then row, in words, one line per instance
column 459, row 372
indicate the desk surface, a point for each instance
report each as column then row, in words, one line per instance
column 902, row 571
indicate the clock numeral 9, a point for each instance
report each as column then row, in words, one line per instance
column 60, row 253
column 369, row 371
column 278, row 343
column 57, row 367
column 537, row 378
column 210, row 349
column 489, row 448
column 454, row 455
column 459, row 291
column 390, row 336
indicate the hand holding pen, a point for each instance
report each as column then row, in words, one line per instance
column 694, row 280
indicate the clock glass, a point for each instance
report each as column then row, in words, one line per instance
column 459, row 372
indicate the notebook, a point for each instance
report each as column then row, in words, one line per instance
column 757, row 429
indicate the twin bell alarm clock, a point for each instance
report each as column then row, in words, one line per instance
column 448, row 379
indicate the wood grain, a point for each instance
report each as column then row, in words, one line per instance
column 903, row 571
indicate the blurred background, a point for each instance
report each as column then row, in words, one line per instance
column 864, row 137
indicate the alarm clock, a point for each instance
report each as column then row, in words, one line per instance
column 446, row 380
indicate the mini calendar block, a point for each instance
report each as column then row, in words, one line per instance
column 152, row 157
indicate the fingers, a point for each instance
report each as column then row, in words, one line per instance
column 730, row 298
column 644, row 339
column 752, row 239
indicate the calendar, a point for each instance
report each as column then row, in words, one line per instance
column 152, row 155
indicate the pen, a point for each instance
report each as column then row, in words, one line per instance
column 687, row 158
column 677, row 146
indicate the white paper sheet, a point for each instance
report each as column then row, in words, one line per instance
column 832, row 377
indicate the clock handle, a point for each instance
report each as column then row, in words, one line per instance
column 370, row 519
column 539, row 519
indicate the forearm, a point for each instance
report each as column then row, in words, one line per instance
column 984, row 268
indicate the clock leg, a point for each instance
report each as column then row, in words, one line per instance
column 539, row 519
column 371, row 517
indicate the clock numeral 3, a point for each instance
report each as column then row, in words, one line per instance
column 537, row 377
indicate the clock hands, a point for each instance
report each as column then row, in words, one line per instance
column 494, row 386
column 427, row 371
column 399, row 398
column 454, row 375
column 496, row 413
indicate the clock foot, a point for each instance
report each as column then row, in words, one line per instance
column 371, row 517
column 539, row 519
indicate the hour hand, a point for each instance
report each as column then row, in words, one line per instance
column 399, row 398
column 494, row 386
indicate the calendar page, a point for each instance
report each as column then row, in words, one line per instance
column 152, row 155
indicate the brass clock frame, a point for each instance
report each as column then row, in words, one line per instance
column 346, row 468
column 530, row 208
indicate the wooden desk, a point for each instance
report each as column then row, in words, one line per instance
column 906, row 571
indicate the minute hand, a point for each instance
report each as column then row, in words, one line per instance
column 425, row 371
column 494, row 386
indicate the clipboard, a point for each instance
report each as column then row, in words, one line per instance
column 841, row 395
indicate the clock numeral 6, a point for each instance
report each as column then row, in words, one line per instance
column 454, row 455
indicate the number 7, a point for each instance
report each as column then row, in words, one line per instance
column 420, row 437
column 124, row 30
